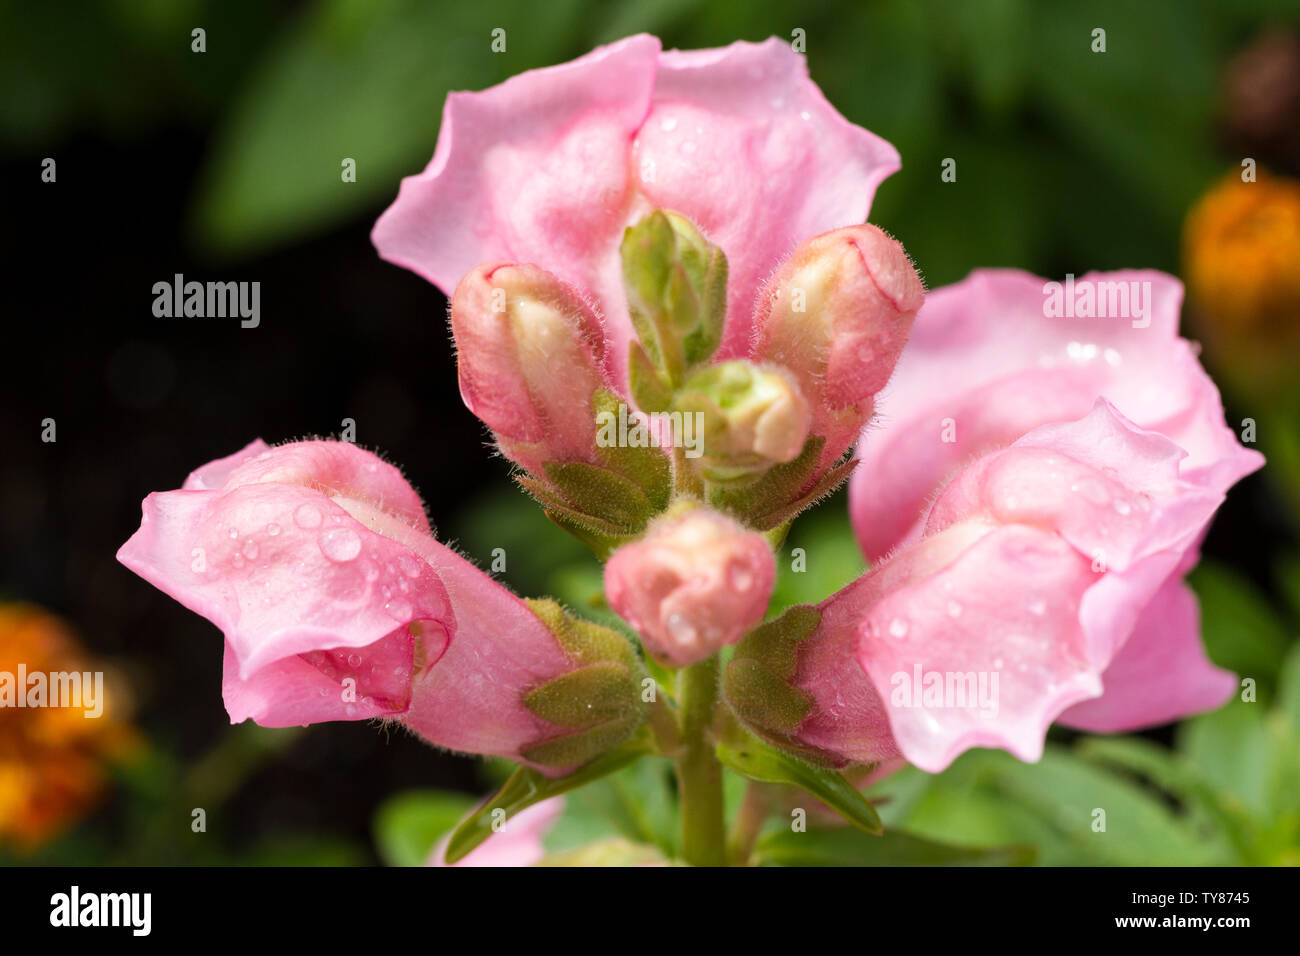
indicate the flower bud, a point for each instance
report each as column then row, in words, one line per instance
column 752, row 418
column 530, row 355
column 676, row 285
column 837, row 315
column 696, row 582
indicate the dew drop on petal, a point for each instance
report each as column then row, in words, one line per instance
column 232, row 534
column 681, row 629
column 340, row 544
column 741, row 577
column 250, row 549
column 898, row 628
column 273, row 529
column 954, row 609
column 1121, row 506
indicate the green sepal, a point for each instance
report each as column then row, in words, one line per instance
column 601, row 493
column 587, row 697
column 527, row 786
column 649, row 390
column 572, row 749
column 765, row 503
column 649, row 468
column 756, row 681
column 750, row 757
column 586, row 642
column 825, row 486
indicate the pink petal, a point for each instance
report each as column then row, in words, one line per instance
column 1000, row 625
column 744, row 144
column 534, row 170
column 1161, row 673
column 984, row 355
column 471, row 700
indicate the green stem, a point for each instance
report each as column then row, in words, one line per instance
column 685, row 481
column 699, row 774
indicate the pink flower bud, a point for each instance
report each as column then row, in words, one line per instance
column 695, row 583
column 530, row 354
column 837, row 314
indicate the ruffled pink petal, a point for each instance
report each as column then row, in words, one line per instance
column 213, row 475
column 281, row 569
column 998, row 630
column 338, row 469
column 1112, row 490
column 985, row 364
column 534, row 170
column 1161, row 673
column 744, row 144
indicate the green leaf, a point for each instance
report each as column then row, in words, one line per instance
column 750, row 757
column 409, row 824
column 527, row 787
column 844, row 846
column 365, row 81
column 1241, row 630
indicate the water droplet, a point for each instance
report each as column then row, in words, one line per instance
column 238, row 561
column 742, row 579
column 1090, row 489
column 681, row 629
column 340, row 544
column 354, row 660
column 998, row 663
column 805, row 115
column 410, row 566
column 1121, row 506
column 668, row 124
column 954, row 609
column 688, row 147
column 250, row 549
column 273, row 529
column 1112, row 357
column 898, row 628
column 1036, row 606
column 307, row 516
column 399, row 609
column 232, row 534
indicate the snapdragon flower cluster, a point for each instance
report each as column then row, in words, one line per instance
column 681, row 237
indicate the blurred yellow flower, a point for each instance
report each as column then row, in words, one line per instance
column 1241, row 251
column 53, row 759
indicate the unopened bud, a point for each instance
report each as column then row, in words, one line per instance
column 753, row 417
column 837, row 315
column 676, row 284
column 530, row 355
column 697, row 582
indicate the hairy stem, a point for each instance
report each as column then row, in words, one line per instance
column 699, row 775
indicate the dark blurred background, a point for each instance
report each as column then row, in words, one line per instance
column 225, row 165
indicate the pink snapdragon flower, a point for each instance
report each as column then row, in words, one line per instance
column 696, row 583
column 550, row 166
column 1046, row 574
column 317, row 562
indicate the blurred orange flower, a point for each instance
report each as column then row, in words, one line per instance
column 1241, row 250
column 53, row 759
